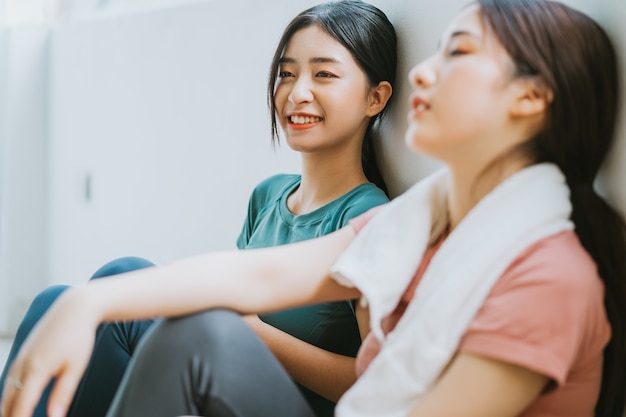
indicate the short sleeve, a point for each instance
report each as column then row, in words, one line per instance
column 546, row 311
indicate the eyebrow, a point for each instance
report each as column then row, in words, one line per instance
column 464, row 33
column 314, row 60
column 458, row 33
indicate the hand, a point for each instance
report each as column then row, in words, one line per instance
column 58, row 347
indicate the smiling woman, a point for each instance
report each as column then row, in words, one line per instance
column 327, row 90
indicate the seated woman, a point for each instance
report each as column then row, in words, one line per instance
column 328, row 110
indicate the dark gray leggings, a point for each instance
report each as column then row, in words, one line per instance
column 206, row 364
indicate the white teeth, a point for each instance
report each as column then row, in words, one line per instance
column 420, row 107
column 301, row 120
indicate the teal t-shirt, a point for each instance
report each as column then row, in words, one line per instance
column 330, row 326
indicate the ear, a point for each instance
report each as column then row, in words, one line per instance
column 531, row 97
column 378, row 98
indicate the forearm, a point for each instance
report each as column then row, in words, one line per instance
column 183, row 287
column 326, row 373
column 250, row 281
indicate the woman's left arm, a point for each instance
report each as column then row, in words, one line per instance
column 475, row 386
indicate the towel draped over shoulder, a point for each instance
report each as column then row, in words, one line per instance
column 527, row 207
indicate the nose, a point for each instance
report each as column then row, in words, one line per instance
column 423, row 74
column 301, row 91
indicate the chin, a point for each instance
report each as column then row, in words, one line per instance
column 421, row 144
column 414, row 140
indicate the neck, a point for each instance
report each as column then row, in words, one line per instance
column 470, row 184
column 324, row 179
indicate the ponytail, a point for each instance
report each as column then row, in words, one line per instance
column 602, row 232
column 369, row 160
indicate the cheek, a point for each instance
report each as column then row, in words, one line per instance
column 449, row 124
column 280, row 97
column 347, row 106
column 280, row 100
column 458, row 96
column 471, row 101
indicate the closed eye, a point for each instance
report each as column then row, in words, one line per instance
column 325, row 74
column 457, row 52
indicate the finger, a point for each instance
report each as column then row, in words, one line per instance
column 22, row 402
column 4, row 401
column 9, row 389
column 63, row 392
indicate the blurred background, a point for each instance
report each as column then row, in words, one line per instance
column 140, row 127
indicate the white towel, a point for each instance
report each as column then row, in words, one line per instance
column 525, row 208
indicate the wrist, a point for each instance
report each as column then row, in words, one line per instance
column 82, row 300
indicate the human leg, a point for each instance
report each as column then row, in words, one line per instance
column 115, row 343
column 114, row 346
column 121, row 265
column 207, row 364
column 40, row 304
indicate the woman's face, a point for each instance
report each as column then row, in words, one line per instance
column 462, row 95
column 322, row 94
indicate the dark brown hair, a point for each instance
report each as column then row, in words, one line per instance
column 574, row 57
column 367, row 33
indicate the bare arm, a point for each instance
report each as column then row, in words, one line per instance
column 326, row 373
column 250, row 281
column 474, row 386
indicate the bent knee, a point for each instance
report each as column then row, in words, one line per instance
column 210, row 329
column 121, row 265
column 46, row 297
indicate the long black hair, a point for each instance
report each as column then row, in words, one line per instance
column 367, row 33
column 576, row 60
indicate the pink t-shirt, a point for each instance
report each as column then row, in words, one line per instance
column 545, row 313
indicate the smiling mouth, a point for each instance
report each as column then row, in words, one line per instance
column 304, row 120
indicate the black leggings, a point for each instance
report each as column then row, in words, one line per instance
column 207, row 364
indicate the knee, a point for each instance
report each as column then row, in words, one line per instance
column 215, row 324
column 45, row 298
column 213, row 330
column 40, row 304
column 120, row 265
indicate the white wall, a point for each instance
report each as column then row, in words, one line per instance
column 23, row 168
column 164, row 112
